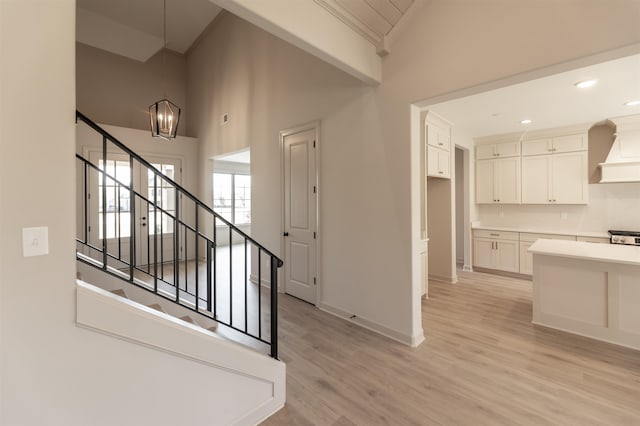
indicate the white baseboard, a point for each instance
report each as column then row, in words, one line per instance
column 467, row 268
column 412, row 341
column 449, row 280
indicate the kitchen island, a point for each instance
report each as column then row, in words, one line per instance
column 588, row 289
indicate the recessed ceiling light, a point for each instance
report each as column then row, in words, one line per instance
column 586, row 83
column 632, row 103
column 527, row 121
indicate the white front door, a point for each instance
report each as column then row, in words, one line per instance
column 120, row 206
column 300, row 221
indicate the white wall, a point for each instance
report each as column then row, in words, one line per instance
column 366, row 213
column 116, row 90
column 51, row 371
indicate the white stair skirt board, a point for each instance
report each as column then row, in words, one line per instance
column 262, row 378
column 108, row 282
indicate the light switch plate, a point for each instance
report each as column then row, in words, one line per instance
column 35, row 241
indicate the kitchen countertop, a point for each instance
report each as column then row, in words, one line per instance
column 541, row 231
column 612, row 253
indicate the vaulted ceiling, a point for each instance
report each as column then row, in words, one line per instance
column 133, row 28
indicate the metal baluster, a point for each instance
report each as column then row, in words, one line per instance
column 215, row 268
column 155, row 230
column 118, row 222
column 186, row 256
column 132, row 221
column 230, row 278
column 274, row 307
column 104, row 203
column 245, row 286
column 259, row 293
column 197, row 264
column 209, row 295
column 86, row 204
column 176, row 248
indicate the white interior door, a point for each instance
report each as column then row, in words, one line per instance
column 300, row 222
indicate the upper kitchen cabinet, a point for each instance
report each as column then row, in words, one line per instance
column 555, row 170
column 498, row 150
column 555, row 145
column 498, row 181
column 437, row 133
column 498, row 170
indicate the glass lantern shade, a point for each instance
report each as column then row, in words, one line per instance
column 164, row 116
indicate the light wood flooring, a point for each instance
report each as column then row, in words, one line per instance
column 483, row 363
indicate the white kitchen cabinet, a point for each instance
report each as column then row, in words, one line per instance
column 438, row 163
column 559, row 144
column 555, row 178
column 438, row 142
column 498, row 181
column 496, row 250
column 498, row 150
column 527, row 240
column 599, row 240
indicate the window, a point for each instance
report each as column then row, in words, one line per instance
column 232, row 197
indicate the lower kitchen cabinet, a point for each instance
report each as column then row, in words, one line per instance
column 527, row 240
column 496, row 250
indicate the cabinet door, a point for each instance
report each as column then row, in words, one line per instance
column 425, row 273
column 507, row 256
column 483, row 253
column 536, row 179
column 570, row 178
column 438, row 163
column 570, row 143
column 484, row 152
column 438, row 137
column 444, row 164
column 484, row 181
column 507, row 178
column 508, row 149
column 537, row 147
column 526, row 259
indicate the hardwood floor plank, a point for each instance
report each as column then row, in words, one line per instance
column 482, row 362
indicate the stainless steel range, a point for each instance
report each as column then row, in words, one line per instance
column 631, row 238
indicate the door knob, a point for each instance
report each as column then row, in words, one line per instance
column 286, row 234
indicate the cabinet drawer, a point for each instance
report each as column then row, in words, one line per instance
column 528, row 237
column 600, row 240
column 496, row 235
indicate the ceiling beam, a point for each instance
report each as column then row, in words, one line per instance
column 312, row 28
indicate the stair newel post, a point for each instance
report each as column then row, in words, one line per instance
column 274, row 307
column 176, row 246
column 215, row 267
column 104, row 203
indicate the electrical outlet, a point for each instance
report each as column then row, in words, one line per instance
column 225, row 118
column 501, row 214
column 563, row 216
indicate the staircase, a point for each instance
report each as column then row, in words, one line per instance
column 145, row 238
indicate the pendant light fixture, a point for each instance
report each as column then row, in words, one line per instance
column 164, row 114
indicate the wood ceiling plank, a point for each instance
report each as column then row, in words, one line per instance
column 367, row 15
column 386, row 9
column 403, row 5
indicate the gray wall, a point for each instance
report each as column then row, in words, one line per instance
column 112, row 89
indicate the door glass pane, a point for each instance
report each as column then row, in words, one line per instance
column 118, row 208
column 165, row 196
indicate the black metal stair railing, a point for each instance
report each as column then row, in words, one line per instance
column 140, row 225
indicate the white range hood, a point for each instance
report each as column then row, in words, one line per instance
column 623, row 162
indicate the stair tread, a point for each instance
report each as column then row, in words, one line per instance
column 120, row 292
